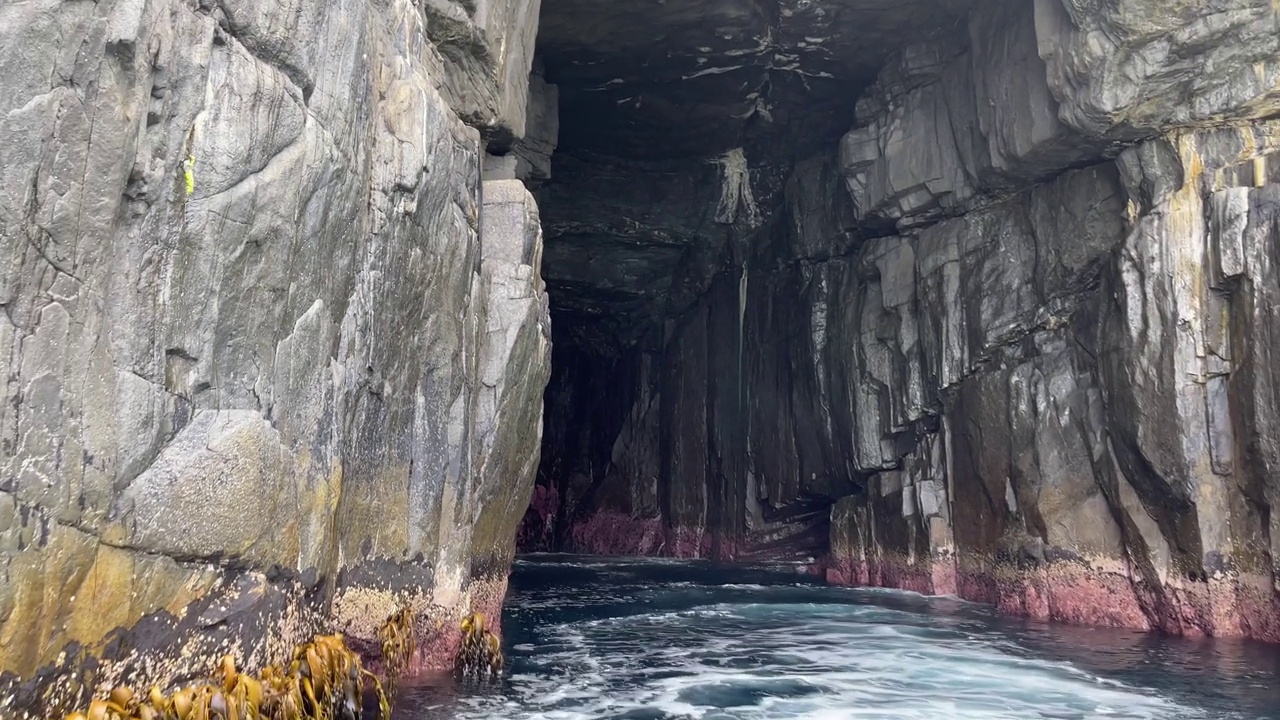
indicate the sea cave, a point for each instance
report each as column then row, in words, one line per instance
column 673, row 351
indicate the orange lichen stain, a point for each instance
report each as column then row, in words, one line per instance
column 1191, row 160
column 1185, row 205
column 1250, row 144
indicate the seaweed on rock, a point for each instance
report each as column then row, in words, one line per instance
column 480, row 657
column 399, row 642
column 324, row 680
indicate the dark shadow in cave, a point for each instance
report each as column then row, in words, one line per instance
column 696, row 179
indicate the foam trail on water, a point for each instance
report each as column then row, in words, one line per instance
column 628, row 648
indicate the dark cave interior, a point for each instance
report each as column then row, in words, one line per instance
column 696, row 181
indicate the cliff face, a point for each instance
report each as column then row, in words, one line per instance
column 1009, row 337
column 273, row 349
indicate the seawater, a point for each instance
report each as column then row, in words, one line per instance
column 667, row 640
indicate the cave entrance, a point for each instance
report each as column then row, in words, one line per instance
column 695, row 178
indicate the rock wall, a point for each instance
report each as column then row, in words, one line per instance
column 273, row 353
column 1088, row 354
column 1094, row 461
column 1011, row 340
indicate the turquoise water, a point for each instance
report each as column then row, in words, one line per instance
column 665, row 640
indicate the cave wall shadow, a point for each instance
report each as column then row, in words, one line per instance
column 703, row 432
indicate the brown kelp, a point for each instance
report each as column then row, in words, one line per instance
column 324, row 680
column 399, row 642
column 480, row 656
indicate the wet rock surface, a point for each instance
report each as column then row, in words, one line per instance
column 262, row 315
column 1000, row 330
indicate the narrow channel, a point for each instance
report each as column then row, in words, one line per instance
column 645, row 639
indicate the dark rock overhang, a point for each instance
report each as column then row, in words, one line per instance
column 661, row 80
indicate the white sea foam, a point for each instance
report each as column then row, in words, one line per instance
column 693, row 664
column 785, row 659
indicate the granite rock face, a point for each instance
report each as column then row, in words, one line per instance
column 1006, row 335
column 273, row 353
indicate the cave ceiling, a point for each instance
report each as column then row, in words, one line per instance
column 651, row 93
column 661, row 79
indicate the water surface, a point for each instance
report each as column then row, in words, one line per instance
column 666, row 640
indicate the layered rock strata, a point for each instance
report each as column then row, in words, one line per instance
column 273, row 352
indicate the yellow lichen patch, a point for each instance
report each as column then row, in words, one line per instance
column 480, row 657
column 1249, row 143
column 323, row 681
column 375, row 516
column 106, row 590
column 399, row 642
column 36, row 596
column 318, row 487
column 75, row 589
column 1191, row 159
